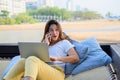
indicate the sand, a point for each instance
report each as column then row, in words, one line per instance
column 101, row 36
column 88, row 24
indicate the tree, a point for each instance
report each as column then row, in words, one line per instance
column 108, row 14
column 51, row 11
column 84, row 15
column 24, row 18
column 5, row 13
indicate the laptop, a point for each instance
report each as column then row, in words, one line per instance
column 37, row 49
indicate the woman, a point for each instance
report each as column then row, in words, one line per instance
column 60, row 50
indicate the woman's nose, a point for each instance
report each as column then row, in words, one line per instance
column 54, row 32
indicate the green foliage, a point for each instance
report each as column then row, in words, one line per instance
column 66, row 15
column 85, row 15
column 62, row 14
column 51, row 11
column 18, row 21
column 9, row 21
column 2, row 21
column 4, row 13
column 20, row 18
column 24, row 18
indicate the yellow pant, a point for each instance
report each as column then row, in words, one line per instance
column 35, row 68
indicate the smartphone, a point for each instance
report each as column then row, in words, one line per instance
column 49, row 38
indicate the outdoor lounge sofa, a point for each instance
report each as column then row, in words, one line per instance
column 107, row 72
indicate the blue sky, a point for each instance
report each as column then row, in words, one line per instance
column 100, row 6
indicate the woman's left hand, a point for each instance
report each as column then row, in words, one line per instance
column 53, row 58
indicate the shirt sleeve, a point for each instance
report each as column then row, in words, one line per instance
column 67, row 45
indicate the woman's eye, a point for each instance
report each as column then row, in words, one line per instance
column 50, row 30
column 57, row 29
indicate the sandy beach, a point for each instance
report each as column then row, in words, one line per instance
column 102, row 30
column 88, row 24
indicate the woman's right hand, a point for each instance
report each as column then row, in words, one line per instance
column 48, row 38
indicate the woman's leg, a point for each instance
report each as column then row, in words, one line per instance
column 39, row 70
column 17, row 71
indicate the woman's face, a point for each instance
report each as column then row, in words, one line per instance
column 54, row 31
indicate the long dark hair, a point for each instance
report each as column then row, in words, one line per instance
column 47, row 26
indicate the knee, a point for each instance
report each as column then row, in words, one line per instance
column 21, row 61
column 32, row 58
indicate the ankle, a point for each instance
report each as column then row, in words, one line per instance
column 27, row 78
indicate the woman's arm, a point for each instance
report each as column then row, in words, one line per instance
column 71, row 58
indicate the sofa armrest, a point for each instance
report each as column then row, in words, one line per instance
column 115, row 52
column 8, row 50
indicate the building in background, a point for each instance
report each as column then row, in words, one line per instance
column 50, row 3
column 66, row 4
column 32, row 5
column 44, row 3
column 36, row 4
column 13, row 6
column 19, row 6
column 69, row 5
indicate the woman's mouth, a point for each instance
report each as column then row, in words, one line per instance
column 54, row 36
